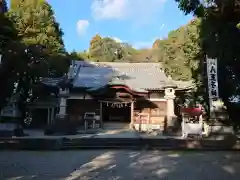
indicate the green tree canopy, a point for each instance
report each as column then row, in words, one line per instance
column 106, row 49
column 32, row 48
column 8, row 35
column 7, row 30
column 179, row 51
column 219, row 39
column 36, row 25
column 218, row 35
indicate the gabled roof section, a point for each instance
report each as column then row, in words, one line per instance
column 139, row 77
column 90, row 75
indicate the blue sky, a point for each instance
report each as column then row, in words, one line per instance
column 137, row 22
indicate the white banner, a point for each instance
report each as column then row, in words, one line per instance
column 212, row 78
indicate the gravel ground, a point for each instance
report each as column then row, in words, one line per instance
column 119, row 165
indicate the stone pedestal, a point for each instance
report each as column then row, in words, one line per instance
column 62, row 108
column 64, row 93
column 218, row 125
column 10, row 121
column 171, row 117
column 62, row 125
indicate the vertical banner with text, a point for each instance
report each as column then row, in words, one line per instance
column 212, row 79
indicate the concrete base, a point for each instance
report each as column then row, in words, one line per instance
column 10, row 129
column 219, row 132
column 116, row 143
column 62, row 126
column 148, row 127
column 61, row 116
column 7, row 129
column 220, row 129
column 172, row 124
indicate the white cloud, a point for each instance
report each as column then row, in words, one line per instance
column 82, row 26
column 126, row 9
column 108, row 9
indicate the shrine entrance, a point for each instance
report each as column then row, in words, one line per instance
column 113, row 111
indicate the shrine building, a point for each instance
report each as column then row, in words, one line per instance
column 139, row 94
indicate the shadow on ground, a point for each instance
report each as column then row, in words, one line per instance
column 119, row 165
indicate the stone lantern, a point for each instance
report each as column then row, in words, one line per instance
column 10, row 116
column 170, row 97
column 11, row 110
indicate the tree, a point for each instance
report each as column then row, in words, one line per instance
column 219, row 40
column 128, row 50
column 156, row 44
column 112, row 50
column 172, row 55
column 38, row 50
column 96, row 47
column 105, row 49
column 36, row 25
column 192, row 47
column 22, row 66
column 8, row 33
column 218, row 34
column 77, row 56
column 83, row 55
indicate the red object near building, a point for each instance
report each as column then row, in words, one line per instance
column 192, row 111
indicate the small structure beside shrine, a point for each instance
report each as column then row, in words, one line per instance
column 136, row 93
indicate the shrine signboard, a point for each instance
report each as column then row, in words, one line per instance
column 212, row 79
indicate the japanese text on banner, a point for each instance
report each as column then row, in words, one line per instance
column 212, row 78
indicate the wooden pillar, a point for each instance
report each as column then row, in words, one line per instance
column 48, row 119
column 132, row 115
column 149, row 123
column 101, row 113
column 52, row 115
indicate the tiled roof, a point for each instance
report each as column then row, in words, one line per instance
column 138, row 76
column 89, row 75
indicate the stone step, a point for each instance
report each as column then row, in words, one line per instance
column 116, row 143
